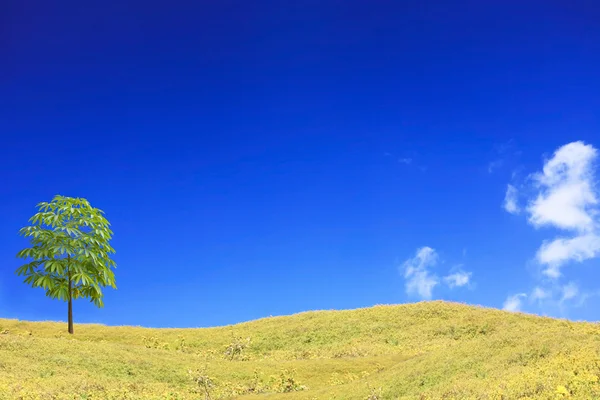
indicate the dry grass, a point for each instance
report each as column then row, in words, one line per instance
column 429, row 350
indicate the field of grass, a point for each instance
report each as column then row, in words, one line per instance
column 428, row 350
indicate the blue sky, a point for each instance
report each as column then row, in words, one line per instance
column 266, row 158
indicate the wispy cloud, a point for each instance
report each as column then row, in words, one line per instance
column 494, row 165
column 510, row 200
column 506, row 147
column 558, row 296
column 419, row 280
column 408, row 158
column 513, row 303
column 503, row 154
column 569, row 292
column 539, row 294
column 458, row 279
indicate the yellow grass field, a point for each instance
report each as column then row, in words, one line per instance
column 427, row 350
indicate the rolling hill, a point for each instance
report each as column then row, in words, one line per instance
column 427, row 350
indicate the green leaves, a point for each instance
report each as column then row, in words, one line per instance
column 69, row 241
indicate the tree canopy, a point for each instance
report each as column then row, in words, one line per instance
column 69, row 252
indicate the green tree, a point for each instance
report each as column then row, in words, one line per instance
column 70, row 252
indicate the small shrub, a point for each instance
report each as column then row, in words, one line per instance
column 286, row 382
column 256, row 385
column 352, row 352
column 460, row 332
column 303, row 355
column 337, row 379
column 530, row 356
column 153, row 343
column 180, row 345
column 375, row 394
column 236, row 348
column 204, row 382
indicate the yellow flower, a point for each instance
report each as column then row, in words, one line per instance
column 562, row 390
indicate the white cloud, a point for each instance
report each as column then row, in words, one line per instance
column 405, row 160
column 567, row 196
column 419, row 280
column 458, row 279
column 565, row 206
column 513, row 303
column 566, row 199
column 510, row 200
column 557, row 252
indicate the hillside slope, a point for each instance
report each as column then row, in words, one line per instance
column 428, row 350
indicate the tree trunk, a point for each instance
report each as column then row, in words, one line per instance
column 70, row 304
column 70, row 309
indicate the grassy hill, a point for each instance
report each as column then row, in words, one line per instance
column 428, row 350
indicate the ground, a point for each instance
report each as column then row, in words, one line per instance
column 427, row 350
